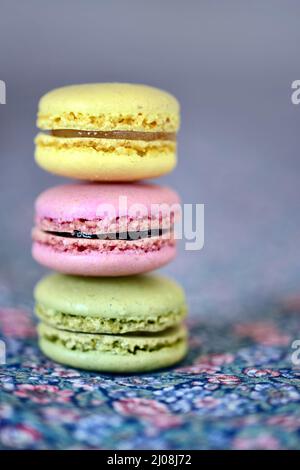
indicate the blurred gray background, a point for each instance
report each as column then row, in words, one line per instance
column 231, row 65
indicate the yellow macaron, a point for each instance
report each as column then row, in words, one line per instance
column 107, row 132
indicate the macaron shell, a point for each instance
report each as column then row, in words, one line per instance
column 107, row 362
column 143, row 296
column 102, row 264
column 92, row 201
column 109, row 106
column 111, row 162
column 140, row 354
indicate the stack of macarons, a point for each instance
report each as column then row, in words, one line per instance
column 101, row 311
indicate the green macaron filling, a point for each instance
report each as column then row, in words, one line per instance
column 98, row 324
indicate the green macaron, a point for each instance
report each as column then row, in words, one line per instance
column 131, row 324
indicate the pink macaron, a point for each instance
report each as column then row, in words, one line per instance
column 105, row 229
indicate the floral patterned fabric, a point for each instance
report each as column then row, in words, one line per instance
column 237, row 389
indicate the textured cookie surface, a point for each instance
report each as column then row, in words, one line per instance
column 114, row 353
column 147, row 303
column 109, row 106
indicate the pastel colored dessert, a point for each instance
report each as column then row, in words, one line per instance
column 107, row 132
column 144, row 303
column 105, row 229
column 147, row 310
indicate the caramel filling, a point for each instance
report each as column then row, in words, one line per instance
column 125, row 135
